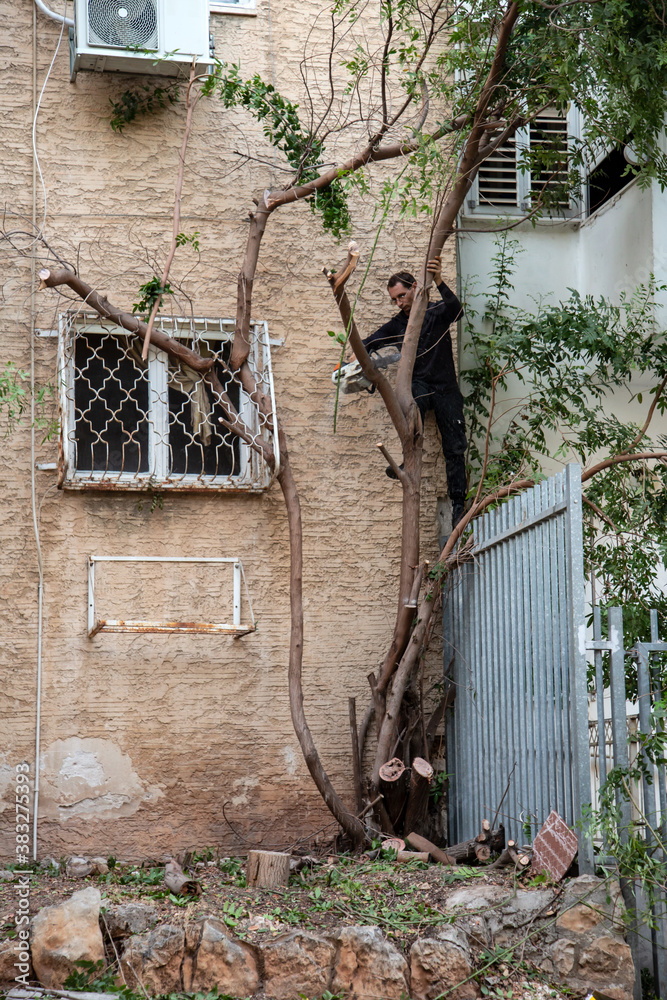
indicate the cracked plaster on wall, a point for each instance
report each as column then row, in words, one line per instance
column 91, row 779
column 243, row 785
column 7, row 786
column 290, row 760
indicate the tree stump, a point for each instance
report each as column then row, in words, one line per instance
column 420, row 783
column 393, row 785
column 267, row 869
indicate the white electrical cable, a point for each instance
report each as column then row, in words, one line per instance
column 33, row 484
column 52, row 14
column 34, row 123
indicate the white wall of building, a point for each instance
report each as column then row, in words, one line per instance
column 608, row 254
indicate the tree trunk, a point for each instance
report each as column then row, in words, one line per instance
column 393, row 782
column 267, row 869
column 420, row 784
column 350, row 823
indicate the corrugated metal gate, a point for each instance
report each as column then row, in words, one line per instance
column 515, row 646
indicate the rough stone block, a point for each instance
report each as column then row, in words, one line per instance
column 439, row 965
column 128, row 918
column 153, row 960
column 8, row 956
column 607, row 959
column 64, row 934
column 563, row 955
column 221, row 961
column 580, row 919
column 297, row 963
column 368, row 966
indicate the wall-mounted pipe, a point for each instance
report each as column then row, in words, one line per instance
column 60, row 18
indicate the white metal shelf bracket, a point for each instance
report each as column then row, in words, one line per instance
column 235, row 628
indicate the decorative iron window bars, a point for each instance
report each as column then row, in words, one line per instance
column 129, row 424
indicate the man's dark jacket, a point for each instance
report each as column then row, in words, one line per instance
column 434, row 364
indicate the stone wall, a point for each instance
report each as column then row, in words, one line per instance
column 576, row 937
column 144, row 738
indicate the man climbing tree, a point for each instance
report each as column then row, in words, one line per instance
column 434, row 383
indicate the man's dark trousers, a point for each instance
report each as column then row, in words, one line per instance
column 447, row 404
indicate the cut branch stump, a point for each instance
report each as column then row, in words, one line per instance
column 267, row 869
column 511, row 856
column 178, row 882
column 393, row 785
column 481, row 847
column 393, row 844
column 420, row 784
column 424, row 845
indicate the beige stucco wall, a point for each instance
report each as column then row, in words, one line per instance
column 144, row 738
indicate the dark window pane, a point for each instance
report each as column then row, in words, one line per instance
column 608, row 178
column 111, row 403
column 198, row 443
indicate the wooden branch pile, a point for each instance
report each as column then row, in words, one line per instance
column 478, row 850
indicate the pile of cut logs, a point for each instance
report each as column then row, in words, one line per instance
column 405, row 803
column 479, row 849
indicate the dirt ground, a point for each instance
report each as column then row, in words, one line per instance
column 403, row 899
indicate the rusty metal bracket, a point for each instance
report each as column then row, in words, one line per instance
column 235, row 628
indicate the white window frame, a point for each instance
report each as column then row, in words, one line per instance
column 472, row 206
column 254, row 474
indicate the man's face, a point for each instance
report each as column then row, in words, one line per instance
column 402, row 296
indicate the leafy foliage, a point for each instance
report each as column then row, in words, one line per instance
column 133, row 104
column 608, row 60
column 555, row 375
column 15, row 401
column 638, row 849
column 14, row 398
column 151, row 292
column 188, row 239
column 284, row 130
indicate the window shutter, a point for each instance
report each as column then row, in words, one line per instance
column 497, row 177
column 549, row 132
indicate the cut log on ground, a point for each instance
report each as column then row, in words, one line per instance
column 267, row 869
column 393, row 844
column 511, row 856
column 393, row 785
column 495, row 839
column 178, row 882
column 420, row 785
column 481, row 847
column 413, row 856
column 422, row 844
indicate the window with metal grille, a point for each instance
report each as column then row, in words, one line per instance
column 130, row 424
column 501, row 187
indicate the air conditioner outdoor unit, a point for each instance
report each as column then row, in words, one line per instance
column 159, row 37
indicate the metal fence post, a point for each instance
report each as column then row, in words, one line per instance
column 578, row 666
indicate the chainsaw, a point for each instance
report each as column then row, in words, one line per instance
column 351, row 378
